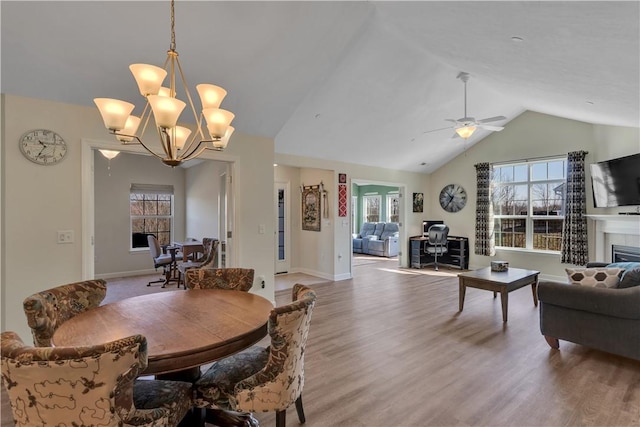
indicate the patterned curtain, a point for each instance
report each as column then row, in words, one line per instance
column 485, row 242
column 574, row 230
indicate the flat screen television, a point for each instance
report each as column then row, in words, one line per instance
column 428, row 223
column 616, row 182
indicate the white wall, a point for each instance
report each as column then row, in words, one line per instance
column 202, row 191
column 316, row 248
column 528, row 136
column 39, row 200
column 112, row 211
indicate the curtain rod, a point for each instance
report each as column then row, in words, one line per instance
column 532, row 158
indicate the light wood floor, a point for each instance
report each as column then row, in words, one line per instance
column 389, row 348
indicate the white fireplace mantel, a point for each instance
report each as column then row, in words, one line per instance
column 613, row 224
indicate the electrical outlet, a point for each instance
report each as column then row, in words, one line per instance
column 261, row 280
column 65, row 236
column 261, row 229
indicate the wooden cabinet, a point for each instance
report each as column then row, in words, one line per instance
column 457, row 256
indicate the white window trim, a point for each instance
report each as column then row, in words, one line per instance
column 133, row 217
column 529, row 218
column 364, row 205
column 390, row 197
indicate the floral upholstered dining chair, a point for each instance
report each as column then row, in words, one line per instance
column 264, row 379
column 47, row 310
column 88, row 386
column 238, row 279
column 209, row 260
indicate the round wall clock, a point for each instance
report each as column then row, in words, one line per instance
column 453, row 198
column 43, row 147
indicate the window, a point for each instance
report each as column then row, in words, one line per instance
column 151, row 212
column 393, row 207
column 371, row 208
column 528, row 204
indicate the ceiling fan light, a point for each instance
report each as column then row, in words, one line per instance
column 114, row 112
column 166, row 110
column 465, row 131
column 211, row 96
column 148, row 77
column 109, row 154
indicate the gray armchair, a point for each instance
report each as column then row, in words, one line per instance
column 606, row 319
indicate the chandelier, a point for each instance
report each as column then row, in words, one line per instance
column 178, row 143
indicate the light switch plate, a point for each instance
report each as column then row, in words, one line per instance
column 65, row 236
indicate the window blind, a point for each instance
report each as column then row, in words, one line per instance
column 151, row 189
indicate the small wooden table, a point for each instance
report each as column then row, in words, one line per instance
column 498, row 281
column 184, row 329
column 190, row 247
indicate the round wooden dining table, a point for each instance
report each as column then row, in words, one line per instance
column 184, row 328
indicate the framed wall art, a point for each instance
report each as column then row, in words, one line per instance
column 311, row 208
column 418, row 202
column 342, row 199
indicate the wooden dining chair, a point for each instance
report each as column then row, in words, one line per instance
column 238, row 279
column 88, row 386
column 264, row 379
column 209, row 259
column 47, row 310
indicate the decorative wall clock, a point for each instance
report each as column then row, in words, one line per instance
column 453, row 198
column 43, row 147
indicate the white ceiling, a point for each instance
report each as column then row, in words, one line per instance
column 353, row 81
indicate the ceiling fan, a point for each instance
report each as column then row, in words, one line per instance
column 466, row 126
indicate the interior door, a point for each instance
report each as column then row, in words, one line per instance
column 282, row 258
column 225, row 206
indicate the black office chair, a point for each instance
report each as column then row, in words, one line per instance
column 437, row 243
column 166, row 261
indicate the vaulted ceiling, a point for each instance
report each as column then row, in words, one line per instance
column 353, row 81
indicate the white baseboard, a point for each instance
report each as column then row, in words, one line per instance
column 128, row 274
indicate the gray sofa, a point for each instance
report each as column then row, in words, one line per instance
column 606, row 319
column 377, row 238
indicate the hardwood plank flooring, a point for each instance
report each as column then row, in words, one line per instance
column 389, row 348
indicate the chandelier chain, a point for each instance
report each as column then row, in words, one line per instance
column 172, row 47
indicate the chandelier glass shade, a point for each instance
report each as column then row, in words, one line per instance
column 176, row 143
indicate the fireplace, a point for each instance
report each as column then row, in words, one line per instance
column 621, row 253
column 611, row 230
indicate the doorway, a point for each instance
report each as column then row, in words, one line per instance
column 135, row 261
column 377, row 201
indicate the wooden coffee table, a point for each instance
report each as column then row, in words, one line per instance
column 499, row 281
